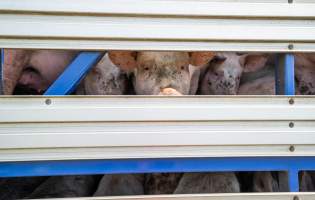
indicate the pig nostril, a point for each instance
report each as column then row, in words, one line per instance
column 146, row 68
column 216, row 74
column 209, row 83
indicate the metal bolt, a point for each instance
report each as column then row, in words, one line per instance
column 290, row 1
column 292, row 148
column 291, row 124
column 290, row 46
column 47, row 101
column 291, row 101
column 296, row 198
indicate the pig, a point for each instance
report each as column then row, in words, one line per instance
column 161, row 183
column 305, row 73
column 104, row 79
column 307, row 181
column 259, row 81
column 19, row 187
column 14, row 63
column 154, row 71
column 270, row 182
column 36, row 69
column 225, row 182
column 222, row 75
column 120, row 184
column 66, row 186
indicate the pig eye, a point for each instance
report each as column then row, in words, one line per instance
column 146, row 68
column 215, row 73
column 182, row 67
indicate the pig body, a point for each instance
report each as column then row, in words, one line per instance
column 36, row 69
column 161, row 183
column 18, row 188
column 305, row 73
column 260, row 82
column 66, row 186
column 120, row 184
column 208, row 183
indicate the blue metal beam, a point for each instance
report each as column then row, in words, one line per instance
column 285, row 82
column 71, row 77
column 84, row 167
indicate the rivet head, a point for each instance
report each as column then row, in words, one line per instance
column 290, row 46
column 296, row 198
column 291, row 124
column 48, row 101
column 291, row 148
column 291, row 101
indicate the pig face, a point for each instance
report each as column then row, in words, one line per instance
column 160, row 73
column 105, row 79
column 221, row 76
column 159, row 70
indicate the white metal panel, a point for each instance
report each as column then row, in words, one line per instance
column 159, row 25
column 141, row 108
column 152, row 127
column 252, row 196
column 223, row 8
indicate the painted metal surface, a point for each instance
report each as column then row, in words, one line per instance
column 71, row 77
column 227, row 196
column 43, row 168
column 148, row 25
column 285, row 80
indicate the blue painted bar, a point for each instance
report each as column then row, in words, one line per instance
column 284, row 74
column 85, row 167
column 294, row 180
column 71, row 77
column 289, row 79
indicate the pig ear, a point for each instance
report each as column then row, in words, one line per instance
column 201, row 58
column 194, row 79
column 15, row 61
column 253, row 62
column 126, row 60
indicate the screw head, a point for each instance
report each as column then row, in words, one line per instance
column 296, row 198
column 290, row 46
column 291, row 148
column 291, row 101
column 291, row 124
column 48, row 101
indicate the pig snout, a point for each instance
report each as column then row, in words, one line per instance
column 169, row 92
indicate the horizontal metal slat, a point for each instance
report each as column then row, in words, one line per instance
column 223, row 8
column 154, row 108
column 261, row 196
column 159, row 25
column 106, row 127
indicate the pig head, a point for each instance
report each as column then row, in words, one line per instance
column 104, row 79
column 156, row 73
column 221, row 76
